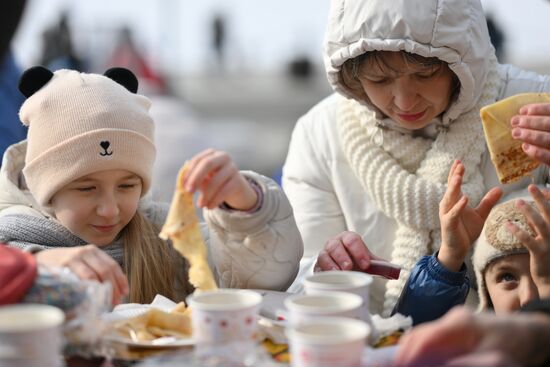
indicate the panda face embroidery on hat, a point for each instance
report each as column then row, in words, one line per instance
column 105, row 145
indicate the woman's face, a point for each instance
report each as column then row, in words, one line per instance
column 510, row 284
column 98, row 206
column 411, row 94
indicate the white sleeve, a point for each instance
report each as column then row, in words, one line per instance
column 308, row 184
column 259, row 250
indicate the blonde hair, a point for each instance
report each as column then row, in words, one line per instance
column 152, row 265
column 351, row 70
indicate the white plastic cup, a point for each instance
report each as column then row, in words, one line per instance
column 328, row 342
column 304, row 307
column 341, row 281
column 224, row 315
column 31, row 335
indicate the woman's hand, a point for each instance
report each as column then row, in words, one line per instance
column 461, row 224
column 89, row 263
column 217, row 178
column 532, row 127
column 539, row 246
column 346, row 251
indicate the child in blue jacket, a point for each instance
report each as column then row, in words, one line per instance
column 509, row 257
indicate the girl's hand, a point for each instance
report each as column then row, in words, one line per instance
column 346, row 251
column 217, row 178
column 539, row 246
column 532, row 126
column 461, row 224
column 89, row 263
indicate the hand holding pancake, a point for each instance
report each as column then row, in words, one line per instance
column 532, row 127
column 217, row 178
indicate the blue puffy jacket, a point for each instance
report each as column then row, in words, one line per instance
column 11, row 128
column 432, row 290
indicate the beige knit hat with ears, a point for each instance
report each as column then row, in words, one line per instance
column 83, row 123
column 496, row 242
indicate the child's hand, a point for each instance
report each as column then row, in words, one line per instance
column 346, row 251
column 539, row 247
column 217, row 178
column 532, row 126
column 89, row 263
column 461, row 224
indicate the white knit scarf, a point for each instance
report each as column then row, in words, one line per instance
column 406, row 176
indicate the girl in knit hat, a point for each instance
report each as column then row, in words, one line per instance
column 510, row 260
column 74, row 194
column 367, row 166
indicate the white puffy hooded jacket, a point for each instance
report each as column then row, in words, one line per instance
column 326, row 194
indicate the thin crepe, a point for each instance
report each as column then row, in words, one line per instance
column 182, row 227
column 508, row 157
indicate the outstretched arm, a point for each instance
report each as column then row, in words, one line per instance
column 461, row 224
column 539, row 246
column 439, row 282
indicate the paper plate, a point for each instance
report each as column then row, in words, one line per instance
column 164, row 342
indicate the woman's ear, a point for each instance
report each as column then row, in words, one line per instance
column 123, row 77
column 33, row 79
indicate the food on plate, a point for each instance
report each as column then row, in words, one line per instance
column 182, row 227
column 278, row 352
column 507, row 155
column 156, row 323
column 388, row 340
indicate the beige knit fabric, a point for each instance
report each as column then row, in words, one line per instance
column 496, row 242
column 406, row 176
column 83, row 123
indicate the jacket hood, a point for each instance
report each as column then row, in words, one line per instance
column 454, row 31
column 12, row 196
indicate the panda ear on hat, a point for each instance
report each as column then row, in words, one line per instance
column 33, row 79
column 123, row 77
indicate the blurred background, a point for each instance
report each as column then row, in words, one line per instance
column 234, row 75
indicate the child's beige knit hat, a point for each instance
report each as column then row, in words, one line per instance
column 83, row 123
column 496, row 242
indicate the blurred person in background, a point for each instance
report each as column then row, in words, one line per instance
column 126, row 54
column 57, row 50
column 497, row 36
column 219, row 38
column 11, row 128
column 367, row 167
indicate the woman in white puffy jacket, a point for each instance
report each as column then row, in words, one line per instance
column 373, row 158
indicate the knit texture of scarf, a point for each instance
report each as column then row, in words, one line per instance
column 30, row 232
column 406, row 176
